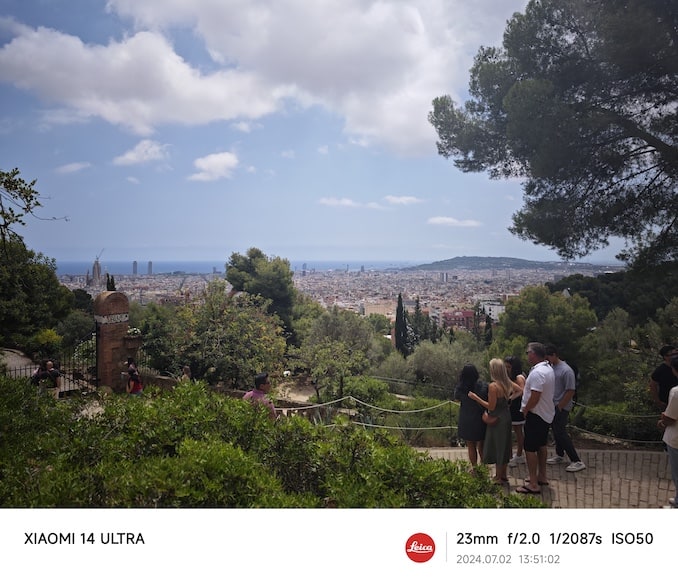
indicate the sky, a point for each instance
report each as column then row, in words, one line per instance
column 193, row 129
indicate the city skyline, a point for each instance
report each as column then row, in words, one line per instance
column 186, row 131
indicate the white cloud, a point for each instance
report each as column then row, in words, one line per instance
column 339, row 203
column 242, row 126
column 323, row 150
column 290, row 154
column 453, row 222
column 349, row 203
column 138, row 83
column 144, row 151
column 215, row 166
column 73, row 167
column 377, row 65
column 402, row 200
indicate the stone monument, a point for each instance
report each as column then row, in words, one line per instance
column 114, row 346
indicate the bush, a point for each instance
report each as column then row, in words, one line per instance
column 193, row 447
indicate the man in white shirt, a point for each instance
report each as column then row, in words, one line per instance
column 537, row 405
column 669, row 423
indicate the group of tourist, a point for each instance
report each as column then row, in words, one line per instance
column 529, row 405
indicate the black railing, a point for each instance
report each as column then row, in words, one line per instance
column 77, row 367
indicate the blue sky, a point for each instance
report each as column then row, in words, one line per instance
column 192, row 129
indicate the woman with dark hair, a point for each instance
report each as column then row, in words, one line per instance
column 515, row 372
column 471, row 426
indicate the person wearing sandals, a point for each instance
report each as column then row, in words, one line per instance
column 497, row 445
column 539, row 409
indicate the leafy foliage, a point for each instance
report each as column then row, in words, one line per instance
column 18, row 198
column 423, row 327
column 539, row 315
column 222, row 337
column 31, row 297
column 640, row 292
column 580, row 100
column 339, row 344
column 75, row 327
column 270, row 278
column 196, row 448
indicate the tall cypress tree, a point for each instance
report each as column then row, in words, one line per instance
column 488, row 330
column 402, row 338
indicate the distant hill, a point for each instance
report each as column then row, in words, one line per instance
column 457, row 263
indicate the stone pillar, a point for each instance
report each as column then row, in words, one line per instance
column 111, row 313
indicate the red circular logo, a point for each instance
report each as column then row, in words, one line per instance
column 420, row 547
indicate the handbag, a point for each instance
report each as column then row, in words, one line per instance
column 489, row 419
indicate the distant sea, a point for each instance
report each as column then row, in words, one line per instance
column 202, row 267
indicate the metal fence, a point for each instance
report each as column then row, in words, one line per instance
column 77, row 367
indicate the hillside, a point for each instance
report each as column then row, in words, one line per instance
column 479, row 263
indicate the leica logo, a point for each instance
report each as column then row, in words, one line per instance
column 416, row 547
column 420, row 548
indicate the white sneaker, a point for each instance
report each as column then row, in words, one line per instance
column 574, row 467
column 556, row 460
column 672, row 502
column 515, row 461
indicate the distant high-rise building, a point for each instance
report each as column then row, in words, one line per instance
column 96, row 271
column 135, row 268
column 150, row 267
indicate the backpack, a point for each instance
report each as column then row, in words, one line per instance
column 35, row 378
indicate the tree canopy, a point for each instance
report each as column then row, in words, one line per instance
column 31, row 297
column 580, row 101
column 271, row 278
column 222, row 337
column 17, row 198
column 538, row 315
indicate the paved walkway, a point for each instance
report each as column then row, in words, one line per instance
column 612, row 479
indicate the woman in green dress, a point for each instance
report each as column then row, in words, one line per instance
column 497, row 444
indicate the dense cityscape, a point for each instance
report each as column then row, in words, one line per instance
column 448, row 296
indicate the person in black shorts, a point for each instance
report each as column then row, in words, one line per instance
column 515, row 373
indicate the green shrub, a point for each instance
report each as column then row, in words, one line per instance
column 202, row 474
column 193, row 447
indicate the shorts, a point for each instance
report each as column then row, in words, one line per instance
column 517, row 417
column 536, row 432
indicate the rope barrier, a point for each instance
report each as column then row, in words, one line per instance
column 602, row 437
column 366, row 425
column 608, row 413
